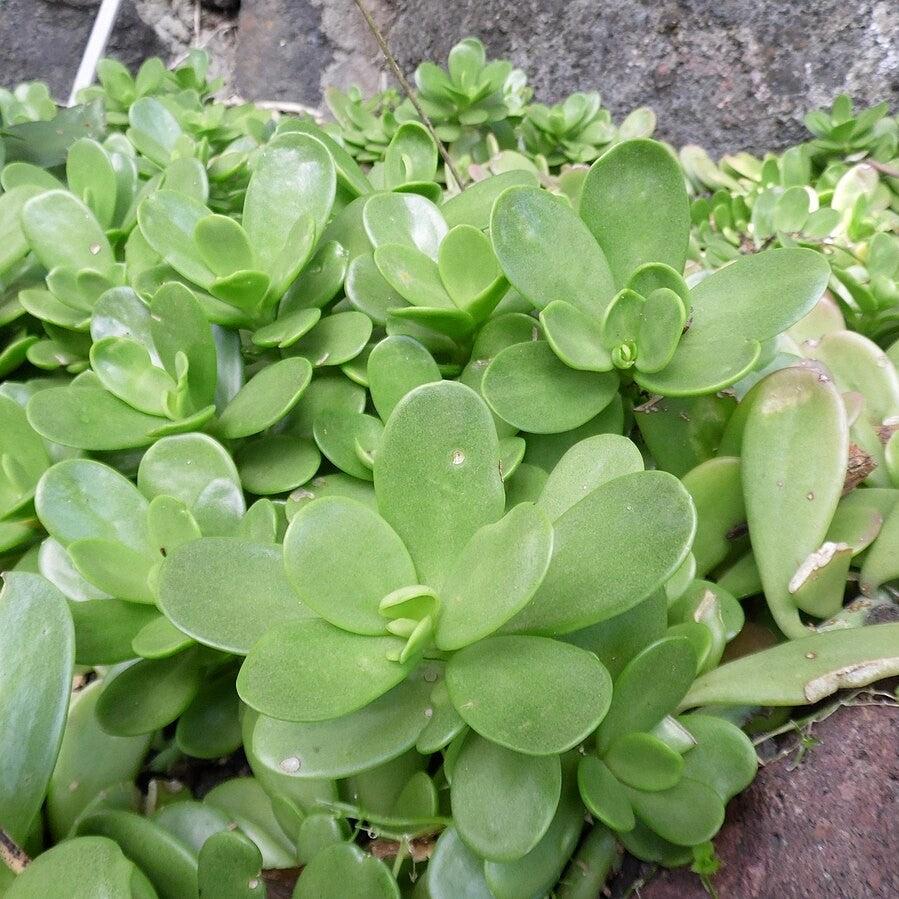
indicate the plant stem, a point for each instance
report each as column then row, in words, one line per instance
column 13, row 856
column 407, row 89
column 599, row 856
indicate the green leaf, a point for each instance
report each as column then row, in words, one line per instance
column 74, row 784
column 717, row 490
column 105, row 629
column 265, row 399
column 413, row 275
column 530, row 694
column 879, row 565
column 148, row 695
column 406, row 219
column 622, row 319
column 92, row 178
column 286, row 331
column 82, row 868
column 495, row 575
column 795, row 446
column 589, row 464
column 617, row 640
column 604, row 795
column 454, row 870
column 199, row 472
column 37, row 644
column 723, row 758
column 46, row 144
column 344, row 581
column 681, row 432
column 113, row 568
column 154, row 130
column 536, row 873
column 377, row 733
column 368, row 291
column 397, row 365
column 226, row 593
column 62, row 231
column 168, row 221
column 575, row 337
column 12, row 237
column 277, row 463
column 313, row 671
column 294, row 177
column 649, row 687
column 644, row 762
column 180, row 331
column 245, row 290
column 317, row 832
column 470, row 272
column 411, row 155
column 525, row 226
column 230, row 867
column 529, row 387
column 210, row 727
column 349, row 440
column 474, row 205
column 503, row 802
column 660, row 330
column 437, row 475
column 169, row 863
column 80, row 498
column 611, row 550
column 748, row 301
column 245, row 803
column 344, row 869
column 634, row 202
column 335, row 339
column 223, row 244
column 319, row 281
column 685, row 814
column 126, row 370
column 160, row 639
column 23, row 457
column 802, row 671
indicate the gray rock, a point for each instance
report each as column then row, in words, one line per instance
column 722, row 73
column 44, row 40
column 293, row 49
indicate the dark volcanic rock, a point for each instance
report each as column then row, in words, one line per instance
column 44, row 39
column 725, row 74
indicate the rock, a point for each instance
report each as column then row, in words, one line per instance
column 44, row 40
column 306, row 45
column 825, row 828
column 721, row 73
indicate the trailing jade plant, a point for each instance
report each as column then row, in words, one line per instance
column 424, row 538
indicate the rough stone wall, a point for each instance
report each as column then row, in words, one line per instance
column 723, row 73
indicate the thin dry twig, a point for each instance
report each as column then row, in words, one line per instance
column 407, row 89
column 202, row 43
column 12, row 855
column 419, row 849
column 884, row 169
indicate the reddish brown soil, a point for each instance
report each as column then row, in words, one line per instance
column 827, row 828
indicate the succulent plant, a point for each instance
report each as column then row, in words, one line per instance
column 469, row 99
column 366, row 124
column 428, row 512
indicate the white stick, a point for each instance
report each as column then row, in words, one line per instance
column 96, row 44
